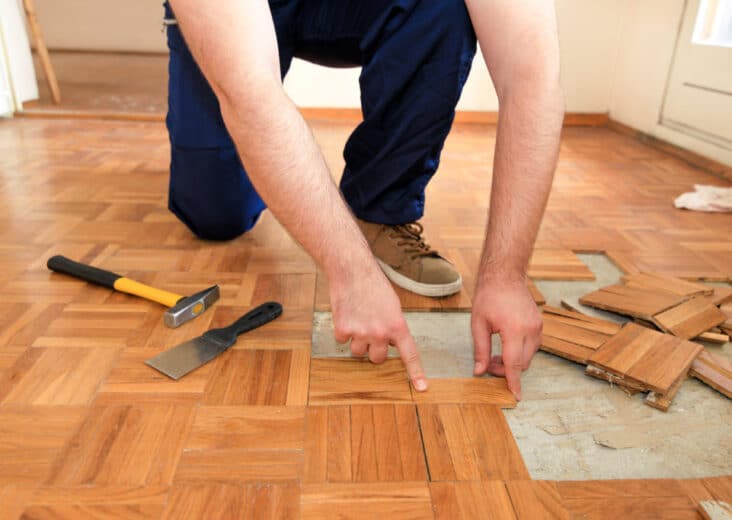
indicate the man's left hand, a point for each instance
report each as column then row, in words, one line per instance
column 508, row 309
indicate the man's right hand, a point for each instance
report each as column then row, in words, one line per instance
column 367, row 312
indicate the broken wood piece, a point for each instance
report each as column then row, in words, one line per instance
column 690, row 318
column 660, row 282
column 629, row 387
column 641, row 303
column 714, row 371
column 715, row 510
column 652, row 359
column 713, row 337
column 720, row 296
column 663, row 402
column 536, row 294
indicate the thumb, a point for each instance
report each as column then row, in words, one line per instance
column 482, row 345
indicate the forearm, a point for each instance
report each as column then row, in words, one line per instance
column 521, row 49
column 288, row 170
column 527, row 144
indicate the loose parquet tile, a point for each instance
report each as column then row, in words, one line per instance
column 249, row 377
column 714, row 371
column 670, row 284
column 483, row 390
column 654, row 360
column 469, row 442
column 470, row 500
column 124, row 445
column 582, row 320
column 536, row 500
column 32, row 438
column 363, row 443
column 640, row 303
column 63, row 377
column 689, row 319
column 354, row 381
column 405, row 501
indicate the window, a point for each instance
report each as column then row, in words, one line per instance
column 713, row 23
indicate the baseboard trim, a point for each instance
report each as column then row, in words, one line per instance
column 691, row 158
column 44, row 113
column 310, row 113
column 461, row 116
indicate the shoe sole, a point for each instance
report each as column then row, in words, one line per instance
column 423, row 289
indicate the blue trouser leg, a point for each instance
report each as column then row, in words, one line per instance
column 416, row 56
column 416, row 59
column 209, row 189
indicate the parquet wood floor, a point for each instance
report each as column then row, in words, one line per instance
column 88, row 430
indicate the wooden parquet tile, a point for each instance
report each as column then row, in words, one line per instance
column 469, row 500
column 32, row 437
column 363, row 443
column 241, row 436
column 537, row 500
column 249, row 377
column 131, row 445
column 652, row 359
column 469, row 442
column 483, row 390
column 268, row 501
column 354, row 381
column 689, row 319
column 373, row 501
column 640, row 303
column 557, row 264
column 714, row 371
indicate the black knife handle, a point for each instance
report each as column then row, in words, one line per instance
column 92, row 274
column 251, row 320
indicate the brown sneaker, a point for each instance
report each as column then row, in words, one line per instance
column 408, row 261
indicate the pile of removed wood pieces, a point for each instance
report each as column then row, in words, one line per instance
column 654, row 352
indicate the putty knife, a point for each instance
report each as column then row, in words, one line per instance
column 188, row 356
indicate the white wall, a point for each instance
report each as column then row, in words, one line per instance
column 648, row 38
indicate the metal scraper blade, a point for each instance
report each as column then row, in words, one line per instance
column 186, row 357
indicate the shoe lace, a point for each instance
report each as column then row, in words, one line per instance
column 410, row 236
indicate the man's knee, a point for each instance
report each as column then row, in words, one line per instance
column 211, row 194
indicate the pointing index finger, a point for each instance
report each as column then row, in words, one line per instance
column 410, row 357
column 512, row 361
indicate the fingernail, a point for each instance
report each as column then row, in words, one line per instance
column 478, row 368
column 517, row 395
column 420, row 385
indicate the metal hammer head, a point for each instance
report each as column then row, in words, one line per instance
column 191, row 306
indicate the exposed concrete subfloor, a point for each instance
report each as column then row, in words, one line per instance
column 573, row 427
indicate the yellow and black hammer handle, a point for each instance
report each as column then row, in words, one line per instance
column 61, row 264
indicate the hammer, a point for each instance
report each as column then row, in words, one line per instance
column 181, row 308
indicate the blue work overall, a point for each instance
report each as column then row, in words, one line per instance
column 415, row 57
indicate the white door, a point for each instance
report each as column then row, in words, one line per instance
column 698, row 98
